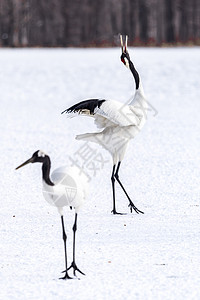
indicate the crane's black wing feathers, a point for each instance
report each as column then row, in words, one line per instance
column 89, row 105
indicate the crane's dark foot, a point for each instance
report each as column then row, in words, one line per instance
column 114, row 212
column 66, row 276
column 133, row 207
column 75, row 268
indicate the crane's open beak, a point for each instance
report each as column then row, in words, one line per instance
column 124, row 47
column 30, row 160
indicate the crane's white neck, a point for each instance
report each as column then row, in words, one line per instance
column 139, row 98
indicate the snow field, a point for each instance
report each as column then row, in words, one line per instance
column 150, row 256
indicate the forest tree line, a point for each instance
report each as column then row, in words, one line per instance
column 58, row 23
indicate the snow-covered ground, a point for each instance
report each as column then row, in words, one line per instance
column 150, row 256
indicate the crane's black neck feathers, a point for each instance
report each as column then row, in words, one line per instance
column 90, row 105
column 46, row 166
column 135, row 74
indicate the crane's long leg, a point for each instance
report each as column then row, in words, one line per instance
column 131, row 205
column 113, row 190
column 73, row 264
column 65, row 248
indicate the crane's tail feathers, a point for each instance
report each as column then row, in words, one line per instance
column 86, row 107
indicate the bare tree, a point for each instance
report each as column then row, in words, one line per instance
column 98, row 22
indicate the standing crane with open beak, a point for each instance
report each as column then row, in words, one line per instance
column 120, row 123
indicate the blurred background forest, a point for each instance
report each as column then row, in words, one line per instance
column 83, row 23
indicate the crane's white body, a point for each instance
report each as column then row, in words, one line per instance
column 120, row 123
column 70, row 188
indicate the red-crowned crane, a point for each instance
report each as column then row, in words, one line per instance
column 120, row 123
column 68, row 188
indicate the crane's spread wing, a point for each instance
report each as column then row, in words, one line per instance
column 106, row 113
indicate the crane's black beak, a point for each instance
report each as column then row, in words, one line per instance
column 30, row 160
